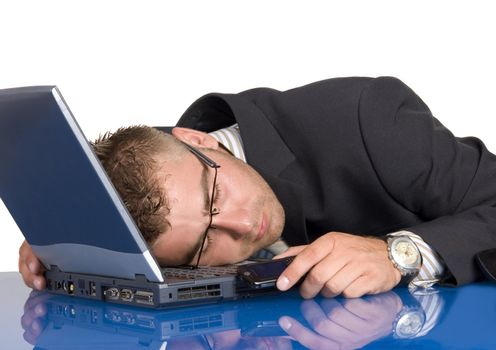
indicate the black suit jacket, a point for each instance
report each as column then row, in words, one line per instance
column 364, row 156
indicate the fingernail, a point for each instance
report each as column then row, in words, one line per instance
column 32, row 267
column 282, row 283
column 37, row 284
column 38, row 309
column 285, row 323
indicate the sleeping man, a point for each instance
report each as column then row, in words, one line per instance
column 353, row 176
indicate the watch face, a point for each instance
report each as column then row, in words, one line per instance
column 405, row 253
column 409, row 323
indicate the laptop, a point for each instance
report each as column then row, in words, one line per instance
column 70, row 321
column 68, row 210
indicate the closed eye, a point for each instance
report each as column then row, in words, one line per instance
column 209, row 243
column 217, row 194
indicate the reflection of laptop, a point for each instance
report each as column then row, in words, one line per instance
column 65, row 205
column 70, row 321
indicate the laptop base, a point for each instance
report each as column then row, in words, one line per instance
column 175, row 292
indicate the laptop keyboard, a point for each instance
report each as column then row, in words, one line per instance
column 200, row 272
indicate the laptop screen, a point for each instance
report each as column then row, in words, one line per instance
column 59, row 194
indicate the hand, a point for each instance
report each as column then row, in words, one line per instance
column 31, row 268
column 229, row 340
column 33, row 321
column 340, row 263
column 344, row 324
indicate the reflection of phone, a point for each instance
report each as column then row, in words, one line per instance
column 264, row 274
column 263, row 329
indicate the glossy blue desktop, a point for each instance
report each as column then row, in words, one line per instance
column 441, row 318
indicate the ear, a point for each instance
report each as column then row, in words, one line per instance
column 195, row 138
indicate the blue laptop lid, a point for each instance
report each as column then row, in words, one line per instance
column 59, row 194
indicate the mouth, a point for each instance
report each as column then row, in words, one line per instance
column 263, row 228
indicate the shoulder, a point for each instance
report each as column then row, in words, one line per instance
column 384, row 96
column 325, row 87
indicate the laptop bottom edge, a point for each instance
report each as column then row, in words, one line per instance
column 140, row 292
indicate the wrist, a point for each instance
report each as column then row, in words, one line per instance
column 405, row 257
column 382, row 241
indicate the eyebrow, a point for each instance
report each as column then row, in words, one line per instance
column 206, row 207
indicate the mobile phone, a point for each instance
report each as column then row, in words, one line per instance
column 264, row 273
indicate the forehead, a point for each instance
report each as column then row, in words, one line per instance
column 184, row 181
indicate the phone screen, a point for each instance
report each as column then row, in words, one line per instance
column 264, row 272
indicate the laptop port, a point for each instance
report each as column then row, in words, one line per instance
column 197, row 292
column 111, row 293
column 70, row 311
column 126, row 294
column 92, row 288
column 70, row 287
column 143, row 297
column 145, row 321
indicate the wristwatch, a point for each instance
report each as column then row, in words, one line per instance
column 405, row 256
column 409, row 322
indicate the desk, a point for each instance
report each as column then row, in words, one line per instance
column 463, row 318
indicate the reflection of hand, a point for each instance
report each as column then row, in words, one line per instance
column 229, row 340
column 30, row 267
column 226, row 341
column 340, row 263
column 33, row 320
column 349, row 324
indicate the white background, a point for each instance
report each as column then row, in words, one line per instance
column 122, row 62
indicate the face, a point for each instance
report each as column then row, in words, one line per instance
column 249, row 215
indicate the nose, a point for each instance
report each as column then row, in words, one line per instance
column 238, row 223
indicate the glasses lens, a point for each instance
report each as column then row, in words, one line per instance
column 211, row 216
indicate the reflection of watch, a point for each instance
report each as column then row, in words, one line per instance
column 408, row 322
column 405, row 256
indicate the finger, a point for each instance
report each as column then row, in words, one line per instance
column 317, row 319
column 26, row 275
column 36, row 298
column 343, row 319
column 304, row 261
column 31, row 335
column 336, row 328
column 31, row 280
column 305, row 336
column 24, row 245
column 361, row 286
column 375, row 306
column 34, row 264
column 327, row 305
column 341, row 280
column 25, row 250
column 30, row 267
column 27, row 255
column 290, row 252
column 351, row 323
column 320, row 274
column 31, row 315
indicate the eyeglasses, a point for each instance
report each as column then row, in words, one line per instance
column 210, row 163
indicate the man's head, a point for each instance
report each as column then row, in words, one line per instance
column 167, row 190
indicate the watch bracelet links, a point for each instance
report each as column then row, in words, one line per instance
column 406, row 278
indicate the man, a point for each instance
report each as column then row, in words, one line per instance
column 334, row 169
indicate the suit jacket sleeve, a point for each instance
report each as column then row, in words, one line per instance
column 449, row 182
